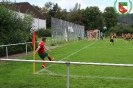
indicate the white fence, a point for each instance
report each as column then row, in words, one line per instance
column 68, row 65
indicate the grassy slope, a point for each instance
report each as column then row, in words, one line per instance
column 19, row 74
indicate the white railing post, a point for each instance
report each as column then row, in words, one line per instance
column 26, row 48
column 67, row 75
column 6, row 52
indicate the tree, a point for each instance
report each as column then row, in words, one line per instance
column 119, row 29
column 45, row 11
column 92, row 18
column 57, row 12
column 13, row 28
column 110, row 17
column 37, row 7
column 53, row 10
column 75, row 15
column 61, row 14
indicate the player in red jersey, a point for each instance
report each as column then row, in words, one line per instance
column 42, row 53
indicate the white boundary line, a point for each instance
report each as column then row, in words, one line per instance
column 99, row 77
column 67, row 56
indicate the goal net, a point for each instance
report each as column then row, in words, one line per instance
column 93, row 34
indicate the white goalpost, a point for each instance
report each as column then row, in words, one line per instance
column 93, row 34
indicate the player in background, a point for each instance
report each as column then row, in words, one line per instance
column 111, row 39
column 115, row 36
column 101, row 36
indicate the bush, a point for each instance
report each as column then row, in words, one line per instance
column 14, row 29
column 44, row 33
column 119, row 29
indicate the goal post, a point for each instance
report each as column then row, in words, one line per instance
column 93, row 34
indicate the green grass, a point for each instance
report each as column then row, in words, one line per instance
column 20, row 74
column 48, row 43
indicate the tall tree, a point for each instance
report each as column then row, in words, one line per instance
column 92, row 18
column 75, row 15
column 110, row 17
column 61, row 14
column 64, row 14
column 53, row 10
column 45, row 10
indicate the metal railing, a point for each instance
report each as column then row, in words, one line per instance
column 26, row 50
column 68, row 65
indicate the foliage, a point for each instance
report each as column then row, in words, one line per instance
column 119, row 29
column 75, row 15
column 37, row 7
column 61, row 14
column 13, row 28
column 109, row 17
column 53, row 10
column 92, row 18
column 44, row 33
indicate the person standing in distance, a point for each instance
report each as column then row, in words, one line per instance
column 41, row 50
column 111, row 39
column 101, row 35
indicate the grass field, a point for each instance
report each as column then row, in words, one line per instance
column 20, row 74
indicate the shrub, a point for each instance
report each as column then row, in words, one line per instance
column 119, row 29
column 14, row 29
column 44, row 33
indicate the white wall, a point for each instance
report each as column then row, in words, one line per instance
column 37, row 23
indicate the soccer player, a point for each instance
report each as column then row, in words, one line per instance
column 101, row 35
column 112, row 39
column 41, row 50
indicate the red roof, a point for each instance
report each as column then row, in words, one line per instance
column 25, row 6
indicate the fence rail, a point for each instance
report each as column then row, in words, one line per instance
column 68, row 65
column 67, row 62
column 16, row 45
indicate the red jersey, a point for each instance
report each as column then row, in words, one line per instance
column 41, row 50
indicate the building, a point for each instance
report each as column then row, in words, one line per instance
column 39, row 19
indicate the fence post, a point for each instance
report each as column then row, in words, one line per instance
column 26, row 48
column 67, row 76
column 6, row 52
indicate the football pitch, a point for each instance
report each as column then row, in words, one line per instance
column 19, row 74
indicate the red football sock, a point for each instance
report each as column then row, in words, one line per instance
column 43, row 63
column 49, row 58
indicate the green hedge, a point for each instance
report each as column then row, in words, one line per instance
column 44, row 33
column 119, row 29
column 14, row 29
column 15, row 49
